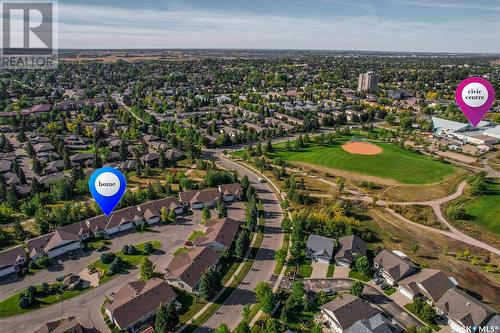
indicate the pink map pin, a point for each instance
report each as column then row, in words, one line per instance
column 474, row 96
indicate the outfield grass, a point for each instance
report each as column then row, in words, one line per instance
column 393, row 163
column 485, row 209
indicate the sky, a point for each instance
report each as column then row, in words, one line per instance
column 371, row 25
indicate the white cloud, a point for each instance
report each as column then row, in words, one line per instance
column 84, row 26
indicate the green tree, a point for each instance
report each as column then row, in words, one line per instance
column 242, row 243
column 147, row 269
column 166, row 318
column 357, row 288
column 265, row 296
column 222, row 329
column 362, row 265
column 205, row 214
column 242, row 327
column 273, row 325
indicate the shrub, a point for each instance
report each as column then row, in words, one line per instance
column 43, row 262
column 24, row 302
column 107, row 258
column 131, row 250
column 125, row 249
column 148, row 248
column 45, row 288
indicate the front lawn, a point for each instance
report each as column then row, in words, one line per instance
column 129, row 261
column 195, row 234
column 306, row 269
column 10, row 306
column 331, row 270
column 390, row 291
column 358, row 276
column 97, row 244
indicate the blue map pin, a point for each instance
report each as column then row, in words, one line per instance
column 107, row 186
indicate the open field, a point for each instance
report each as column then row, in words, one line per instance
column 424, row 192
column 485, row 209
column 393, row 162
column 482, row 213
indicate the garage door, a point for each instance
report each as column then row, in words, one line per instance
column 62, row 250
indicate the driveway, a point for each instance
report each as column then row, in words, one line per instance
column 374, row 296
column 86, row 307
column 262, row 269
column 319, row 270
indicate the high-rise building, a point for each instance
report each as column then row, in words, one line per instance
column 367, row 81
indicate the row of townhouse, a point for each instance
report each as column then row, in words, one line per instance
column 69, row 238
column 461, row 310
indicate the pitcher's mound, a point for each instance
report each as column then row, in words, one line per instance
column 361, row 148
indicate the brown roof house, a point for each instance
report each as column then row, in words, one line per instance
column 430, row 283
column 151, row 210
column 393, row 266
column 120, row 220
column 343, row 312
column 186, row 269
column 462, row 310
column 53, row 244
column 219, row 235
column 11, row 260
column 66, row 325
column 137, row 302
column 199, row 199
column 350, row 247
column 231, row 192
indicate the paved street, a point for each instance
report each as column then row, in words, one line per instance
column 262, row 269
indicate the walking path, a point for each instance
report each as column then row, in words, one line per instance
column 435, row 204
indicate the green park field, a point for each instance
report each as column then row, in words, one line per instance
column 394, row 163
column 485, row 209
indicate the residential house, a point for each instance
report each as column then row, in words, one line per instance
column 11, row 260
column 376, row 324
column 219, row 234
column 199, row 199
column 393, row 266
column 186, row 269
column 341, row 313
column 79, row 228
column 231, row 192
column 53, row 244
column 66, row 325
column 174, row 154
column 137, row 302
column 350, row 247
column 124, row 219
column 152, row 210
column 462, row 310
column 430, row 283
column 319, row 248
